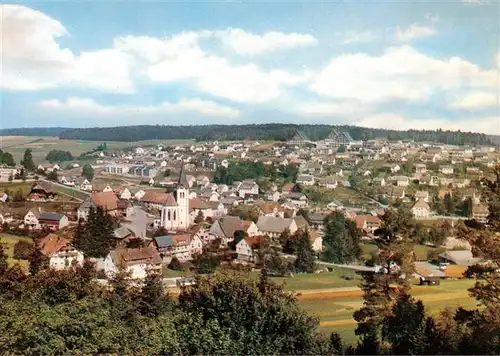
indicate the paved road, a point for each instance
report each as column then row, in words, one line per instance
column 139, row 221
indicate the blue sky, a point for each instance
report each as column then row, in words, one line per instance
column 398, row 64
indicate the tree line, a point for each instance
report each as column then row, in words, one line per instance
column 279, row 132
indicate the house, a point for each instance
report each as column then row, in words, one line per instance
column 421, row 209
column 85, row 185
column 225, row 227
column 316, row 241
column 101, row 187
column 395, row 168
column 41, row 191
column 394, row 192
column 54, row 221
column 248, row 187
column 124, row 194
column 298, row 199
column 301, row 223
column 305, row 179
column 274, row 226
column 247, row 249
column 458, row 257
column 6, row 173
column 125, row 208
column 480, row 212
column 420, row 168
column 197, row 205
column 117, row 169
column 270, row 209
column 422, row 194
column 446, row 169
column 328, row 182
column 402, row 181
column 287, row 188
column 380, row 181
column 31, row 219
column 60, row 251
column 181, row 246
column 3, row 196
column 367, row 223
column 337, row 171
column 135, row 261
column 250, row 228
column 123, row 233
column 273, row 196
column 154, row 199
column 108, row 201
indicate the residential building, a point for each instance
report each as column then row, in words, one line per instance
column 60, row 251
column 422, row 194
column 305, row 179
column 274, row 226
column 446, row 169
column 328, row 182
column 480, row 212
column 181, row 246
column 247, row 249
column 135, row 261
column 225, row 227
column 108, row 201
column 54, row 221
column 117, row 169
column 248, row 187
column 41, row 191
column 31, row 219
column 367, row 223
column 421, row 209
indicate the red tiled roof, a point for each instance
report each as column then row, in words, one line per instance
column 197, row 203
column 51, row 244
column 156, row 197
column 138, row 255
column 182, row 240
column 107, row 200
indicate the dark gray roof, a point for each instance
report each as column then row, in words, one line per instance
column 50, row 216
column 164, row 241
column 182, row 178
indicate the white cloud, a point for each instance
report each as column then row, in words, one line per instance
column 474, row 2
column 248, row 43
column 400, row 73
column 433, row 18
column 32, row 59
column 353, row 37
column 318, row 108
column 476, row 101
column 414, row 32
column 488, row 124
column 90, row 106
column 173, row 60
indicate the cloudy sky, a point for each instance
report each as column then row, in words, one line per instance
column 393, row 64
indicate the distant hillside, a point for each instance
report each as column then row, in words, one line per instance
column 279, row 132
column 34, row 131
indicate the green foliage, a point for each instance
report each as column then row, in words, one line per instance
column 206, row 262
column 199, row 217
column 306, row 257
column 341, row 239
column 94, row 237
column 175, row 264
column 248, row 317
column 59, row 156
column 238, row 172
column 4, row 265
column 88, row 172
column 23, row 250
column 52, row 175
column 7, row 159
column 27, row 161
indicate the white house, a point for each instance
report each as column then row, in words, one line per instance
column 125, row 194
column 182, row 246
column 305, row 179
column 135, row 261
column 421, row 209
column 446, row 169
column 246, row 249
column 31, row 219
column 61, row 253
column 422, row 194
column 85, row 185
column 248, row 187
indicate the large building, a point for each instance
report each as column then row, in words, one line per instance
column 298, row 139
column 175, row 211
column 337, row 139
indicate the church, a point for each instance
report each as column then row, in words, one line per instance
column 175, row 211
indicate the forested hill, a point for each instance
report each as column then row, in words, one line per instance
column 280, row 132
column 34, row 131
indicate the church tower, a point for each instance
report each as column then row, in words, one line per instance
column 182, row 198
column 175, row 211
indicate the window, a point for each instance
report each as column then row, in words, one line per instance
column 168, row 215
column 175, row 215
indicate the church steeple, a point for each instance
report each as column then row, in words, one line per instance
column 182, row 182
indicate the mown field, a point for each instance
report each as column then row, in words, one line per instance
column 16, row 145
column 8, row 242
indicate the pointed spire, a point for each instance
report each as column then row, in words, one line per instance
column 182, row 182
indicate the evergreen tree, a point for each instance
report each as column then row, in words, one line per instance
column 153, row 299
column 88, row 172
column 466, row 207
column 27, row 161
column 4, row 265
column 37, row 262
column 341, row 239
column 306, row 257
column 95, row 236
column 199, row 217
column 449, row 204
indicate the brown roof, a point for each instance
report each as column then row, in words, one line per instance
column 254, row 241
column 455, row 271
column 182, row 240
column 107, row 200
column 52, row 243
column 287, row 187
column 156, row 197
column 123, row 204
column 268, row 208
column 197, row 203
column 133, row 256
column 246, row 224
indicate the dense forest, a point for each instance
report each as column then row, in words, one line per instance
column 34, row 131
column 279, row 132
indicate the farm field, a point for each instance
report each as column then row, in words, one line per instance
column 13, row 187
column 335, row 308
column 16, row 145
column 8, row 242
